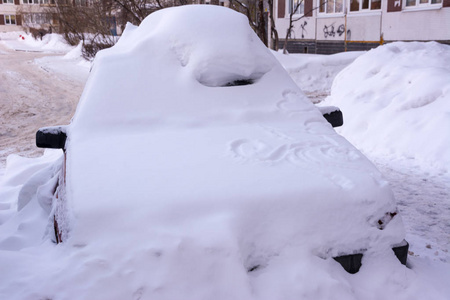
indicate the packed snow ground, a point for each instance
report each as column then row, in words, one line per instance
column 422, row 195
column 315, row 73
column 40, row 84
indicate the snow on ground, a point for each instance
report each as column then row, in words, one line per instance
column 67, row 60
column 38, row 88
column 21, row 41
column 314, row 74
column 423, row 199
column 71, row 66
column 396, row 100
column 422, row 193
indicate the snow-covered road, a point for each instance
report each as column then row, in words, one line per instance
column 32, row 96
column 423, row 200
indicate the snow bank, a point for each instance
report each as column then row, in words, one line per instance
column 19, row 192
column 314, row 74
column 53, row 43
column 75, row 53
column 11, row 35
column 71, row 66
column 396, row 101
column 50, row 42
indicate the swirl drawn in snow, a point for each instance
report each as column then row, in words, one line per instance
column 316, row 156
column 321, row 153
column 292, row 102
column 318, row 153
column 256, row 150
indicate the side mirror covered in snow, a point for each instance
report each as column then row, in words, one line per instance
column 333, row 115
column 51, row 137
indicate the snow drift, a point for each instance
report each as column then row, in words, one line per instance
column 396, row 101
column 314, row 73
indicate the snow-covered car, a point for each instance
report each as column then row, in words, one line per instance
column 193, row 149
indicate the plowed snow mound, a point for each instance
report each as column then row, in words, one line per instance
column 388, row 96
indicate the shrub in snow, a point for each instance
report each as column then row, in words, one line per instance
column 38, row 33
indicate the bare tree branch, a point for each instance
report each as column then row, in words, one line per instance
column 254, row 10
column 292, row 20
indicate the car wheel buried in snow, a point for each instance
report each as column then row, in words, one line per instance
column 209, row 131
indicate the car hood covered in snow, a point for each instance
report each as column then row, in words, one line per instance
column 194, row 158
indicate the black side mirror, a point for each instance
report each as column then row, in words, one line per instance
column 51, row 137
column 333, row 115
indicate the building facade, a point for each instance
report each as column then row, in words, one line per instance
column 321, row 26
column 9, row 18
column 17, row 14
column 331, row 26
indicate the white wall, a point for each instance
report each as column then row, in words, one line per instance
column 8, row 9
column 369, row 27
column 353, row 27
column 417, row 25
column 358, row 27
column 365, row 28
column 300, row 31
column 330, row 28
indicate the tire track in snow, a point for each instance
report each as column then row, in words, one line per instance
column 30, row 98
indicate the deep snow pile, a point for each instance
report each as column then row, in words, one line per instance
column 71, row 66
column 25, row 42
column 50, row 42
column 396, row 102
column 314, row 74
column 23, row 225
column 11, row 35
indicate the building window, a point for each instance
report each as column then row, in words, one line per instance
column 10, row 20
column 296, row 4
column 30, row 1
column 85, row 2
column 331, row 6
column 8, row 1
column 421, row 3
column 365, row 5
column 36, row 19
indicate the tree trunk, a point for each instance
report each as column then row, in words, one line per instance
column 262, row 23
column 273, row 29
